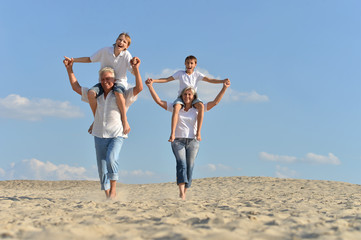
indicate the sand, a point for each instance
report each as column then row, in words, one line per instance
column 216, row 208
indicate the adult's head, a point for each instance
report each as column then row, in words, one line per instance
column 188, row 94
column 107, row 78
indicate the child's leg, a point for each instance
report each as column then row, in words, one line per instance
column 175, row 116
column 121, row 105
column 93, row 93
column 200, row 108
column 92, row 97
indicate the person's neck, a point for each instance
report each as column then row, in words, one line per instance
column 106, row 93
column 189, row 71
column 117, row 51
column 187, row 107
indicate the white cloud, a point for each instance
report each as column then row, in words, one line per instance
column 310, row 158
column 277, row 158
column 15, row 106
column 34, row 169
column 319, row 159
column 206, row 91
column 216, row 167
column 285, row 172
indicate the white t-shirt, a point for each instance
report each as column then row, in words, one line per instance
column 187, row 122
column 186, row 80
column 120, row 64
column 107, row 121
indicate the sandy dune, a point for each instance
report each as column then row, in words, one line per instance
column 216, row 208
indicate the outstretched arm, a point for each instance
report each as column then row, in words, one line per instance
column 163, row 80
column 68, row 63
column 211, row 80
column 138, row 79
column 218, row 98
column 81, row 59
column 155, row 96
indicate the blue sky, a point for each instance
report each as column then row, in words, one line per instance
column 292, row 109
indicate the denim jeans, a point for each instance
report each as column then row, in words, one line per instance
column 179, row 100
column 107, row 152
column 98, row 89
column 185, row 151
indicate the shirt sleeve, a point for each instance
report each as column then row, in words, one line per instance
column 129, row 57
column 200, row 76
column 169, row 107
column 96, row 57
column 177, row 74
column 129, row 97
column 84, row 94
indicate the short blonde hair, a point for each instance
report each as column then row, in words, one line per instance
column 105, row 69
column 189, row 88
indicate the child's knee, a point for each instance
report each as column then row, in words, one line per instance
column 92, row 94
column 177, row 107
column 199, row 106
column 119, row 95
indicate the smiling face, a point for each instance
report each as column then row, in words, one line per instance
column 190, row 65
column 122, row 42
column 107, row 81
column 188, row 97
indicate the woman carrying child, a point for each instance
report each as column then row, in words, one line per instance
column 185, row 145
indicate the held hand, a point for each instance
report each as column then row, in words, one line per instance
column 135, row 62
column 149, row 82
column 68, row 62
column 227, row 83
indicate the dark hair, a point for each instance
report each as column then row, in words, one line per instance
column 191, row 57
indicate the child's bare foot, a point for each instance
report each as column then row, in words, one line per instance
column 126, row 128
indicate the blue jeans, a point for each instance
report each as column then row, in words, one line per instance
column 107, row 151
column 185, row 151
column 98, row 89
column 179, row 100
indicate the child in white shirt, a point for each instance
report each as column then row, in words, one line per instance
column 118, row 58
column 188, row 78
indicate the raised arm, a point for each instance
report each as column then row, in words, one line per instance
column 81, row 59
column 138, row 79
column 163, row 80
column 155, row 96
column 218, row 98
column 211, row 80
column 68, row 63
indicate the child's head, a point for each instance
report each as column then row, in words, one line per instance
column 190, row 63
column 123, row 41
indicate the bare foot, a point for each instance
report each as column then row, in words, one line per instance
column 182, row 196
column 112, row 195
